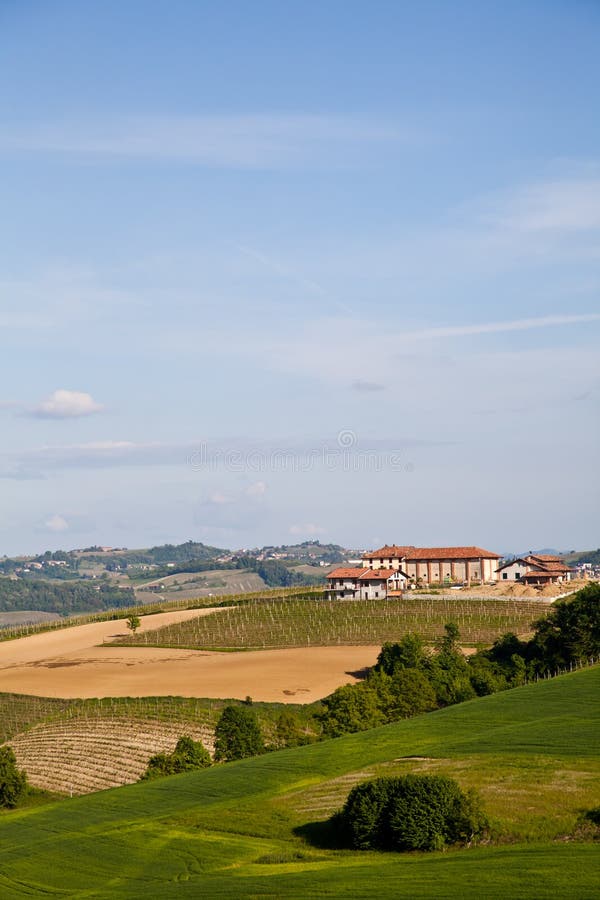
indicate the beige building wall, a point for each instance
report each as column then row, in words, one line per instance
column 439, row 570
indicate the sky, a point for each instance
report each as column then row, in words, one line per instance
column 285, row 271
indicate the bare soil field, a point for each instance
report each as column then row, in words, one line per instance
column 70, row 663
column 525, row 591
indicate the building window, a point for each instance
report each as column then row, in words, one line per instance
column 517, row 576
column 505, row 575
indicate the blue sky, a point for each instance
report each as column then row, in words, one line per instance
column 278, row 271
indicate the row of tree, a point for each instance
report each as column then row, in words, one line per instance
column 409, row 679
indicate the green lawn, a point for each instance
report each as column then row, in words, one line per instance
column 241, row 829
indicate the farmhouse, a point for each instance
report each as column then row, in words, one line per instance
column 387, row 571
column 436, row 565
column 539, row 568
column 364, row 584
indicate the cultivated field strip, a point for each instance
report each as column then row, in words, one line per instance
column 92, row 755
column 160, row 605
column 19, row 712
column 303, row 623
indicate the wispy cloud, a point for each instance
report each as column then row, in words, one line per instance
column 234, row 141
column 448, row 331
column 565, row 205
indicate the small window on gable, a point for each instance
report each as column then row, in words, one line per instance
column 505, row 574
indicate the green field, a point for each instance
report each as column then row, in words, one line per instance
column 285, row 622
column 253, row 828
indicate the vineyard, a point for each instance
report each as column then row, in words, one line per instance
column 87, row 755
column 11, row 632
column 80, row 746
column 273, row 624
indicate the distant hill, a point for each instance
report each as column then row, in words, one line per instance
column 583, row 556
column 160, row 555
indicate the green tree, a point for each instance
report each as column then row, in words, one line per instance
column 412, row 694
column 351, row 708
column 448, row 669
column 133, row 623
column 289, row 731
column 407, row 653
column 13, row 782
column 570, row 633
column 237, row 734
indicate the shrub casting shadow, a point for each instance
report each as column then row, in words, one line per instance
column 324, row 835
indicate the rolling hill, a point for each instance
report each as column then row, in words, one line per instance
column 255, row 828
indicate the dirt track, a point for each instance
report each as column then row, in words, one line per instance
column 69, row 663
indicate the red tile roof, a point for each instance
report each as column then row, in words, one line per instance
column 363, row 574
column 541, row 563
column 353, row 572
column 377, row 574
column 430, row 553
column 551, row 563
column 542, row 573
column 389, row 551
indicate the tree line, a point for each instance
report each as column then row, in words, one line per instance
column 409, row 679
column 64, row 598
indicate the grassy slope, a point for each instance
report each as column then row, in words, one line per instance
column 228, row 831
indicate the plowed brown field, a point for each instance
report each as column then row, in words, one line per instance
column 72, row 663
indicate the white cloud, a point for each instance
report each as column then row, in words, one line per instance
column 56, row 524
column 63, row 404
column 309, row 529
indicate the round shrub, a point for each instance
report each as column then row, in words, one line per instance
column 187, row 756
column 411, row 812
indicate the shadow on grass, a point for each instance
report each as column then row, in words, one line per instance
column 324, row 835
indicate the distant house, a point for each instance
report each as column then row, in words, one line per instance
column 540, row 568
column 436, row 565
column 364, row 584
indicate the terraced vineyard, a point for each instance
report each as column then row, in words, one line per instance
column 90, row 755
column 301, row 623
column 80, row 746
